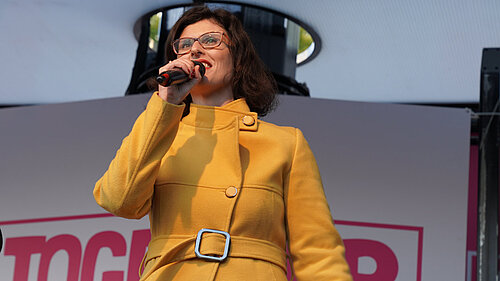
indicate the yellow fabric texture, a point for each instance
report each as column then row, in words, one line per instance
column 178, row 171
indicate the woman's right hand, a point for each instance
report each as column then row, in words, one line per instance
column 175, row 94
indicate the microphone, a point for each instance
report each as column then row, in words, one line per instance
column 177, row 76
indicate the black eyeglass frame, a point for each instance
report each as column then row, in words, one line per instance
column 177, row 41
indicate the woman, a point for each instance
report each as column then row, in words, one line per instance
column 199, row 159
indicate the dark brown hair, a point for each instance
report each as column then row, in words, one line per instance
column 251, row 78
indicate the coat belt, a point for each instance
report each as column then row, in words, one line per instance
column 176, row 248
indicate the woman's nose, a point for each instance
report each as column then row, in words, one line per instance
column 196, row 49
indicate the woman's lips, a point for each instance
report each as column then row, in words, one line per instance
column 205, row 63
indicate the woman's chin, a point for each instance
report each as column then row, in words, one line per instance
column 205, row 88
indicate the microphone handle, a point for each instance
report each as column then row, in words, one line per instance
column 173, row 77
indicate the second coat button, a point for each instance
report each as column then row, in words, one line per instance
column 231, row 191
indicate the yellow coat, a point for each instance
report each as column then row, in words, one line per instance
column 221, row 168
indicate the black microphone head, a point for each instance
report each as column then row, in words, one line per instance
column 202, row 67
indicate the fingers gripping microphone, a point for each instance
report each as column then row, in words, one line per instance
column 177, row 76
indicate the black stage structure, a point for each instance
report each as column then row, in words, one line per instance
column 487, row 222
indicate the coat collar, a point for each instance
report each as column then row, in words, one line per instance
column 214, row 117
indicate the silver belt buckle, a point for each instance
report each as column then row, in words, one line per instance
column 198, row 242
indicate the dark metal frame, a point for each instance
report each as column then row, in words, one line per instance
column 310, row 30
column 487, row 241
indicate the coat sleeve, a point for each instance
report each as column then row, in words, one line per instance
column 127, row 186
column 316, row 248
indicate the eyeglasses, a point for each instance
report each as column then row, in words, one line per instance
column 208, row 40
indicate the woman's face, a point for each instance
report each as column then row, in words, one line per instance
column 218, row 61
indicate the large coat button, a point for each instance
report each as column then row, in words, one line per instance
column 231, row 191
column 248, row 120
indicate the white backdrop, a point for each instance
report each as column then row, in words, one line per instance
column 395, row 177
